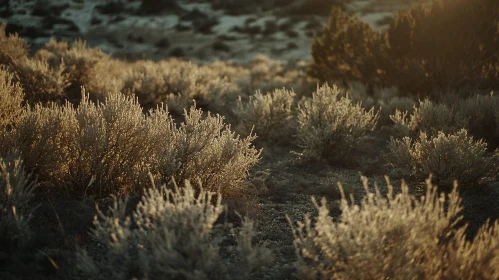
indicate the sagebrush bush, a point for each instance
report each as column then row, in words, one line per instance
column 395, row 237
column 11, row 98
column 80, row 65
column 40, row 81
column 330, row 125
column 107, row 148
column 418, row 53
column 269, row 116
column 171, row 235
column 206, row 149
column 12, row 47
column 177, row 84
column 448, row 157
column 483, row 116
column 432, row 118
column 95, row 149
column 387, row 99
column 266, row 75
column 392, row 105
column 16, row 192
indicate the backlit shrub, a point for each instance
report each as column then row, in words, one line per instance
column 204, row 149
column 16, row 192
column 330, row 125
column 11, row 98
column 396, row 236
column 177, row 84
column 171, row 234
column 12, row 47
column 80, row 64
column 95, row 149
column 40, row 81
column 107, row 148
column 432, row 117
column 269, row 116
column 448, row 157
column 482, row 116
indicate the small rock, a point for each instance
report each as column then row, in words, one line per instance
column 177, row 52
column 292, row 34
column 163, row 43
column 220, row 46
column 95, row 20
column 45, row 9
column 194, row 15
column 182, row 28
column 111, row 8
column 135, row 38
column 292, row 46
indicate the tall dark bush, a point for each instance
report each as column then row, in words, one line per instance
column 445, row 44
column 435, row 46
column 348, row 49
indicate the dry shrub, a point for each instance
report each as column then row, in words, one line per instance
column 12, row 47
column 11, row 98
column 107, row 148
column 269, row 116
column 171, row 234
column 177, row 84
column 45, row 138
column 41, row 82
column 16, row 192
column 266, row 75
column 80, row 65
column 97, row 149
column 483, row 116
column 330, row 126
column 448, row 157
column 395, row 237
column 431, row 118
column 387, row 99
column 205, row 149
